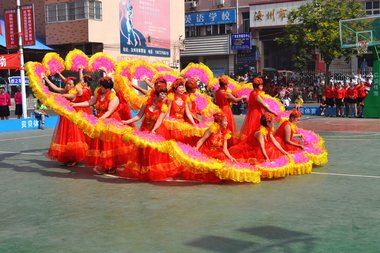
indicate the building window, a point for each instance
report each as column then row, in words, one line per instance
column 245, row 16
column 80, row 9
column 372, row 7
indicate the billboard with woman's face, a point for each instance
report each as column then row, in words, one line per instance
column 145, row 27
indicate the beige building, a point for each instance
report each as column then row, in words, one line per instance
column 97, row 26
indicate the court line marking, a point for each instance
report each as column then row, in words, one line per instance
column 28, row 137
column 344, row 175
column 21, row 153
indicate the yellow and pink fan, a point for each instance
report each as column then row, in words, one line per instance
column 170, row 77
column 101, row 61
column 198, row 71
column 75, row 60
column 123, row 84
column 53, row 63
column 214, row 84
column 162, row 67
column 141, row 69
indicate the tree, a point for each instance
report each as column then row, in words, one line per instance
column 315, row 25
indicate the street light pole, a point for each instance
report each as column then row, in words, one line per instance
column 22, row 71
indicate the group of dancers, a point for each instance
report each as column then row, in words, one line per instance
column 167, row 110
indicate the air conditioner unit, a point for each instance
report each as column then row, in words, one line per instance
column 194, row 4
column 220, row 2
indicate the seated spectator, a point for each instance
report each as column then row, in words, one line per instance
column 298, row 102
column 40, row 113
column 286, row 101
column 322, row 105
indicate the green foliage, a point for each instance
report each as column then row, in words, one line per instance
column 315, row 25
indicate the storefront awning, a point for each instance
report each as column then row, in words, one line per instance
column 40, row 45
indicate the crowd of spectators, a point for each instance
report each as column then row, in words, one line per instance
column 290, row 91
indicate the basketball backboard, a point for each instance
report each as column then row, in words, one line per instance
column 352, row 31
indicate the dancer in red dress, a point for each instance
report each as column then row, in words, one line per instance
column 214, row 141
column 68, row 143
column 223, row 98
column 86, row 91
column 154, row 109
column 105, row 155
column 287, row 130
column 178, row 108
column 147, row 163
column 191, row 88
column 256, row 108
column 260, row 146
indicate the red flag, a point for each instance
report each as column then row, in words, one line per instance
column 10, row 61
column 11, row 29
column 27, row 23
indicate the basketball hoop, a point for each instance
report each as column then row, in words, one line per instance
column 362, row 47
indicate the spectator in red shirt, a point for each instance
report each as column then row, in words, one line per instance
column 18, row 102
column 5, row 102
column 329, row 94
column 361, row 88
column 339, row 94
column 352, row 95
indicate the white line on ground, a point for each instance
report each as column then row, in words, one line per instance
column 345, row 175
column 21, row 153
column 28, row 137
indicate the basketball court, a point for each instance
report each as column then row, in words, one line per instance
column 50, row 208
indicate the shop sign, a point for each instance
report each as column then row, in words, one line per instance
column 267, row 15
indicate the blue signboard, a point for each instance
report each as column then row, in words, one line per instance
column 210, row 17
column 246, row 57
column 241, row 41
column 16, row 80
column 14, row 125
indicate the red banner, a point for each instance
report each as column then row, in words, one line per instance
column 10, row 61
column 27, row 23
column 11, row 29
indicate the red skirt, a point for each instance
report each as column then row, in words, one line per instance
column 288, row 147
column 68, row 142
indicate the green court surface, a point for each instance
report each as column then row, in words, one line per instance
column 49, row 208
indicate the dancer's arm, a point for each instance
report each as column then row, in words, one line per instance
column 265, row 105
column 277, row 145
column 88, row 103
column 135, row 118
column 112, row 106
column 202, row 140
column 288, row 132
column 52, row 85
column 62, row 77
column 148, row 82
column 158, row 122
column 260, row 139
column 226, row 152
column 189, row 115
column 234, row 99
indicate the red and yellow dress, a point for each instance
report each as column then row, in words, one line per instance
column 123, row 108
column 106, row 154
column 280, row 137
column 252, row 119
column 86, row 96
column 224, row 104
column 149, row 164
column 193, row 108
column 177, row 113
column 68, row 143
column 249, row 150
column 213, row 146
